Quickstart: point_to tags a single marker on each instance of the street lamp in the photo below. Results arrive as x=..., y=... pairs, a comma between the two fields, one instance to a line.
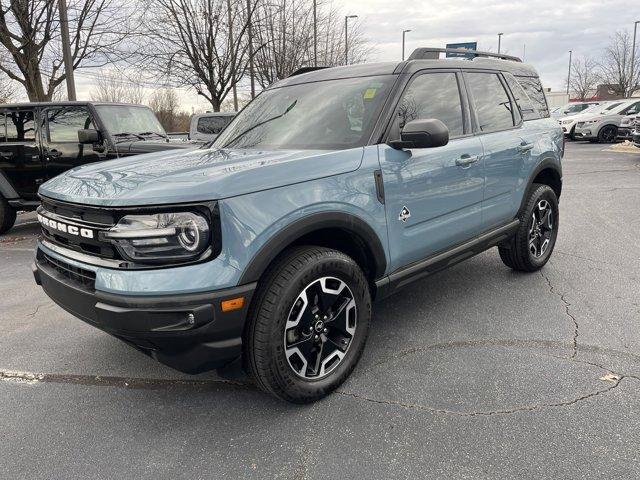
x=404, y=32
x=346, y=33
x=569, y=75
x=633, y=56
x=499, y=41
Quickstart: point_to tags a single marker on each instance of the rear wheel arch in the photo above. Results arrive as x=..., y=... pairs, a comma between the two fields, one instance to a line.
x=340, y=231
x=548, y=172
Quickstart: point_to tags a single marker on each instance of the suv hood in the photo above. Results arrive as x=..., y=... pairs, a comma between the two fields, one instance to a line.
x=179, y=176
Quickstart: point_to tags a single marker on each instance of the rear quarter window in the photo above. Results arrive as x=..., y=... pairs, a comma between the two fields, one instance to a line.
x=533, y=89
x=525, y=104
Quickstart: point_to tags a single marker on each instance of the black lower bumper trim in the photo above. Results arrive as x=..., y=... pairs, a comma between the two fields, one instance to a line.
x=188, y=332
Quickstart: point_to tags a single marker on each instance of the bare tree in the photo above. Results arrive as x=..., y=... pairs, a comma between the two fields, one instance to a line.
x=8, y=89
x=616, y=65
x=584, y=77
x=30, y=37
x=188, y=43
x=109, y=88
x=164, y=102
x=284, y=29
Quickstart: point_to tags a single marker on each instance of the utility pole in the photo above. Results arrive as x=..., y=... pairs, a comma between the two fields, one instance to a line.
x=315, y=33
x=633, y=57
x=346, y=42
x=233, y=57
x=251, y=65
x=524, y=51
x=66, y=51
x=499, y=41
x=404, y=32
x=569, y=76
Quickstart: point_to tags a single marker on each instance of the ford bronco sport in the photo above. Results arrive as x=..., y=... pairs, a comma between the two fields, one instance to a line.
x=41, y=140
x=330, y=189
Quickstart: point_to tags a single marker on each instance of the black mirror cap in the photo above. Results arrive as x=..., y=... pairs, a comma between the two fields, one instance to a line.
x=428, y=133
x=88, y=136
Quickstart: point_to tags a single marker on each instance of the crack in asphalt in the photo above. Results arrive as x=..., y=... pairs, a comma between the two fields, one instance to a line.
x=569, y=314
x=528, y=408
x=35, y=312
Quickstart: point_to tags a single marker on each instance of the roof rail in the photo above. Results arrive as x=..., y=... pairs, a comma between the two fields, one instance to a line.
x=434, y=54
x=302, y=70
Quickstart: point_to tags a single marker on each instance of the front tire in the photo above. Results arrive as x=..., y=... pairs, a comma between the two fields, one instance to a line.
x=308, y=324
x=608, y=134
x=7, y=215
x=532, y=245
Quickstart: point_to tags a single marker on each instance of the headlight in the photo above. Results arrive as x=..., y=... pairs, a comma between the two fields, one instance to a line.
x=567, y=122
x=591, y=122
x=161, y=237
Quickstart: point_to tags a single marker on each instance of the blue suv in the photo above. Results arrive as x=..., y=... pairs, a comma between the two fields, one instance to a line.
x=332, y=188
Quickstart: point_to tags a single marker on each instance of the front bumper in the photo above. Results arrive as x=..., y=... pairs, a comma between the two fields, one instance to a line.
x=188, y=332
x=624, y=133
x=635, y=136
x=585, y=133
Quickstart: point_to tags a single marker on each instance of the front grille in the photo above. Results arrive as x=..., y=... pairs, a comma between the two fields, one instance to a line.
x=80, y=277
x=90, y=218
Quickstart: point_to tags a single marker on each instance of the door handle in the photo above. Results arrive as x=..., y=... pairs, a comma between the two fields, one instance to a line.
x=466, y=160
x=525, y=147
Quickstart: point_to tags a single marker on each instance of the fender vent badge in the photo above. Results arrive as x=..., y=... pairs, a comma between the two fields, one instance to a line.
x=404, y=214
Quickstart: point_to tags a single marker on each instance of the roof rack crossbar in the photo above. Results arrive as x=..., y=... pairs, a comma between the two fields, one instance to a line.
x=302, y=70
x=427, y=54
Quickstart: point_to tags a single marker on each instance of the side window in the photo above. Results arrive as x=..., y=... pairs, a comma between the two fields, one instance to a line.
x=631, y=109
x=433, y=95
x=493, y=107
x=20, y=126
x=63, y=123
x=534, y=90
x=522, y=99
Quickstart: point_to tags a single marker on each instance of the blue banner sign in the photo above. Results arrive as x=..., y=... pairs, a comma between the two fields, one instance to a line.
x=465, y=46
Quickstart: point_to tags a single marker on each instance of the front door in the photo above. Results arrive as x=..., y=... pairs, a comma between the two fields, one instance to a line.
x=432, y=195
x=60, y=132
x=20, y=159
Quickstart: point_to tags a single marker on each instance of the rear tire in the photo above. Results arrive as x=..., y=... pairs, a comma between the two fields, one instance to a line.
x=531, y=247
x=289, y=350
x=7, y=215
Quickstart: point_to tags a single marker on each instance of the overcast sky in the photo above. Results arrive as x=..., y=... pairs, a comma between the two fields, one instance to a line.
x=548, y=28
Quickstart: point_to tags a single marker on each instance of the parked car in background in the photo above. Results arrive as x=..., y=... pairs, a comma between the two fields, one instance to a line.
x=603, y=128
x=569, y=123
x=205, y=127
x=39, y=141
x=331, y=188
x=627, y=126
x=572, y=109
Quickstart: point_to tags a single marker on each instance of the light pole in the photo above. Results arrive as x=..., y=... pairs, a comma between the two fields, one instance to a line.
x=66, y=50
x=569, y=75
x=499, y=41
x=633, y=56
x=404, y=32
x=346, y=33
x=315, y=33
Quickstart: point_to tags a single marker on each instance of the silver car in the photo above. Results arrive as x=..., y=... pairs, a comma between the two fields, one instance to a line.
x=604, y=128
x=572, y=109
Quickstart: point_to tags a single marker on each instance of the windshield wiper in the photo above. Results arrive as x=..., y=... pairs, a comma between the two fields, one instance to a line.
x=154, y=133
x=242, y=134
x=128, y=134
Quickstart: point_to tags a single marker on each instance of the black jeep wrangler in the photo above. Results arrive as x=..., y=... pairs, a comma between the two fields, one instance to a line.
x=38, y=141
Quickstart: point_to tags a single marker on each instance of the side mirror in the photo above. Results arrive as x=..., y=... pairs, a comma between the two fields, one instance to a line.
x=427, y=133
x=88, y=136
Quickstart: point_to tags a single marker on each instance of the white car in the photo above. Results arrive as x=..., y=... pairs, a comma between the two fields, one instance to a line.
x=572, y=109
x=205, y=127
x=603, y=128
x=568, y=124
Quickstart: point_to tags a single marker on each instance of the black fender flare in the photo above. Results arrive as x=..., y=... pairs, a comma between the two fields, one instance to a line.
x=308, y=224
x=545, y=164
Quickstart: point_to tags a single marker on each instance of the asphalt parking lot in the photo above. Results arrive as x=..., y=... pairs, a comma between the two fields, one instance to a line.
x=476, y=372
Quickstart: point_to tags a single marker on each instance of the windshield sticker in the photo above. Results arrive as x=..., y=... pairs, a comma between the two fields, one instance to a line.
x=370, y=93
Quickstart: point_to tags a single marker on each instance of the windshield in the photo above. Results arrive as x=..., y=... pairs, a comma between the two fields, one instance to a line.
x=213, y=125
x=129, y=119
x=333, y=114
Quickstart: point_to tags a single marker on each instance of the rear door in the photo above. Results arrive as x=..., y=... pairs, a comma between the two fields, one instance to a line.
x=20, y=159
x=498, y=122
x=432, y=195
x=60, y=137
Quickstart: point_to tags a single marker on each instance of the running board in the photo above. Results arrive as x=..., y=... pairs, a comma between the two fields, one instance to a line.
x=395, y=281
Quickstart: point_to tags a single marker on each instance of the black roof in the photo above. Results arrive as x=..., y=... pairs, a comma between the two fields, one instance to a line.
x=79, y=103
x=514, y=67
